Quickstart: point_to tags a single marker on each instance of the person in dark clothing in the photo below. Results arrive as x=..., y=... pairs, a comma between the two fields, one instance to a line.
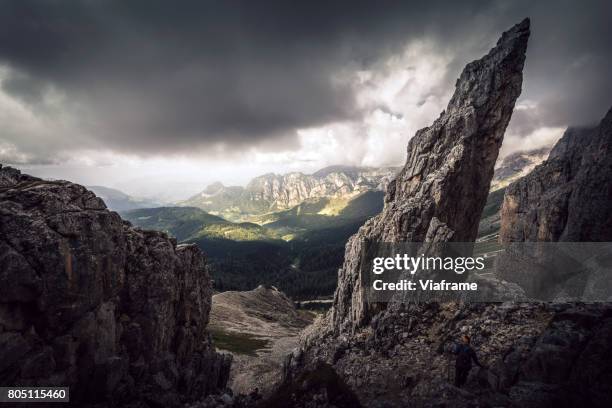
x=463, y=364
x=254, y=394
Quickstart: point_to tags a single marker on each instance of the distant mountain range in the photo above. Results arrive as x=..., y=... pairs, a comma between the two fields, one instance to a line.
x=331, y=188
x=273, y=192
x=188, y=223
x=117, y=200
x=516, y=165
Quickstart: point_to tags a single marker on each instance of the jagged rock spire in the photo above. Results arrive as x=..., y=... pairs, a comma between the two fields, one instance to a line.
x=441, y=191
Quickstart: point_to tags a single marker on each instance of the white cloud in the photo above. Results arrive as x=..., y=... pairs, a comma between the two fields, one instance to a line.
x=542, y=137
x=398, y=97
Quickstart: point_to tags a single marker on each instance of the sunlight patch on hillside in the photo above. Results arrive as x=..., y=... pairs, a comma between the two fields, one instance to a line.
x=334, y=206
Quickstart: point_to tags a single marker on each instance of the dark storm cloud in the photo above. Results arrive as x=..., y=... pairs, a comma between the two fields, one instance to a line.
x=569, y=63
x=163, y=77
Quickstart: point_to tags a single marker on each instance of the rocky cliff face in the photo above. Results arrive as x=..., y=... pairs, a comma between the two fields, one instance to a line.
x=273, y=192
x=286, y=191
x=534, y=354
x=440, y=193
x=569, y=197
x=90, y=302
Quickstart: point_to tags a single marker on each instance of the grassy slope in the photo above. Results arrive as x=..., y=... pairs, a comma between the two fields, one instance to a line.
x=325, y=213
x=244, y=255
x=488, y=229
x=181, y=222
x=187, y=223
x=239, y=343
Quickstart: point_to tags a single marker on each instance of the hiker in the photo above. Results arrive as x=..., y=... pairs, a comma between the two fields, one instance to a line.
x=255, y=394
x=463, y=364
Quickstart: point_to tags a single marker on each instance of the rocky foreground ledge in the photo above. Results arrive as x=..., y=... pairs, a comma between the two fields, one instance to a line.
x=88, y=301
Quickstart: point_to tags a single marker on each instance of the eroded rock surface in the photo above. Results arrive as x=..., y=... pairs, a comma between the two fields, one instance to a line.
x=534, y=355
x=439, y=194
x=88, y=301
x=274, y=192
x=568, y=197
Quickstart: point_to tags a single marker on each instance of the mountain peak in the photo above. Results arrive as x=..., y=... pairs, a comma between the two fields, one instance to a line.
x=117, y=200
x=214, y=188
x=339, y=168
x=271, y=192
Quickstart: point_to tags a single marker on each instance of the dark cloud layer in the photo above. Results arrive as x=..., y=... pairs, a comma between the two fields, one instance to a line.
x=152, y=77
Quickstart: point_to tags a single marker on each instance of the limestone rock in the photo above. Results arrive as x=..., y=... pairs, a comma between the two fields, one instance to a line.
x=517, y=165
x=568, y=197
x=90, y=302
x=535, y=354
x=439, y=194
x=273, y=192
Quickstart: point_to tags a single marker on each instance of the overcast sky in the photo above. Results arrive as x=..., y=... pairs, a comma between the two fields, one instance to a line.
x=166, y=97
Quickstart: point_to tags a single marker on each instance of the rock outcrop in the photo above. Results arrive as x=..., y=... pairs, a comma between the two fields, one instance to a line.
x=534, y=354
x=568, y=197
x=88, y=301
x=439, y=194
